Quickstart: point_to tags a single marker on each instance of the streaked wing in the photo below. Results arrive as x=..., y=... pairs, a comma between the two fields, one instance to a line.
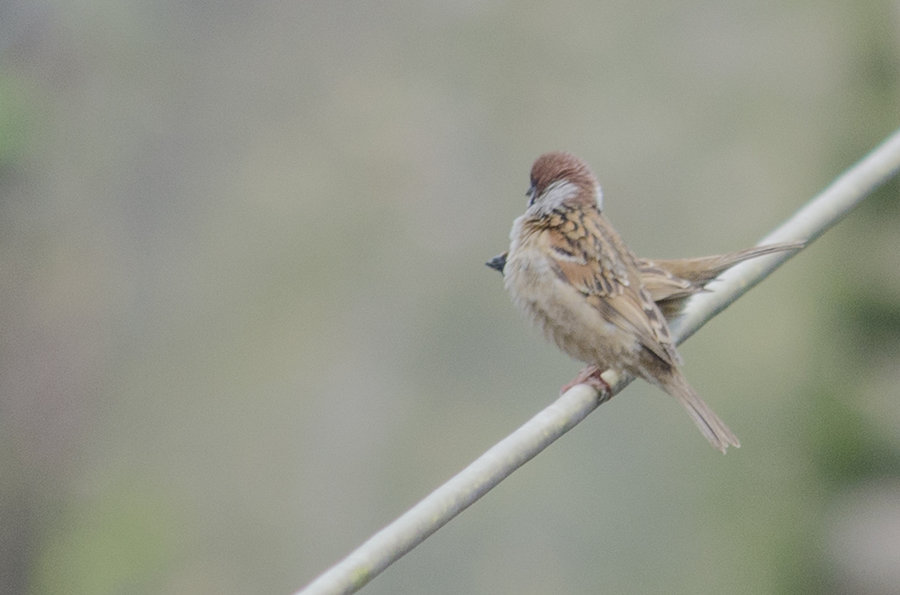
x=593, y=259
x=663, y=285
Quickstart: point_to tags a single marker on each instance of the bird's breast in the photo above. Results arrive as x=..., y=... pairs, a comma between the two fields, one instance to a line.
x=558, y=309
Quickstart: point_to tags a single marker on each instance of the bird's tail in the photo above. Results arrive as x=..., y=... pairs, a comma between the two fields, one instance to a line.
x=713, y=428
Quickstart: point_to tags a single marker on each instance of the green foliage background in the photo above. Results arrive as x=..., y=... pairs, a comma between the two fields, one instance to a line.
x=244, y=320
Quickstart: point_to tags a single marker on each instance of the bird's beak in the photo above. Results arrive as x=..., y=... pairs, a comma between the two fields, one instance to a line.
x=498, y=262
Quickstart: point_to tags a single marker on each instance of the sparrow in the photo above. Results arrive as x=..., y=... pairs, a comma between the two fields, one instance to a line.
x=570, y=272
x=670, y=282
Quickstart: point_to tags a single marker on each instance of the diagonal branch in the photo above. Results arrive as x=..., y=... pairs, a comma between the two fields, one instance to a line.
x=812, y=220
x=470, y=484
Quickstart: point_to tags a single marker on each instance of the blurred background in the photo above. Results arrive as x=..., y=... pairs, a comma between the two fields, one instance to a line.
x=246, y=321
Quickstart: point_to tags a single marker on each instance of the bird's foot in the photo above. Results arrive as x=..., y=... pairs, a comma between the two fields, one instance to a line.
x=591, y=375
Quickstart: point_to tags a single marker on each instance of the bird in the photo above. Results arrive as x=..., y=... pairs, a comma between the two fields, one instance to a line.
x=570, y=272
x=671, y=282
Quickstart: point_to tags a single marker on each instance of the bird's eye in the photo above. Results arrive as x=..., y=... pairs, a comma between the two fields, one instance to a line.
x=531, y=194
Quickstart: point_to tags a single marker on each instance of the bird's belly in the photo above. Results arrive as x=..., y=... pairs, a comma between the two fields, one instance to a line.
x=563, y=314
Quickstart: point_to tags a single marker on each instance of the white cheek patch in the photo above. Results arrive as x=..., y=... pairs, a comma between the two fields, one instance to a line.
x=555, y=194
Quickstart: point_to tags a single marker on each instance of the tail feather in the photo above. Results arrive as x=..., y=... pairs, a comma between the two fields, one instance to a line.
x=709, y=424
